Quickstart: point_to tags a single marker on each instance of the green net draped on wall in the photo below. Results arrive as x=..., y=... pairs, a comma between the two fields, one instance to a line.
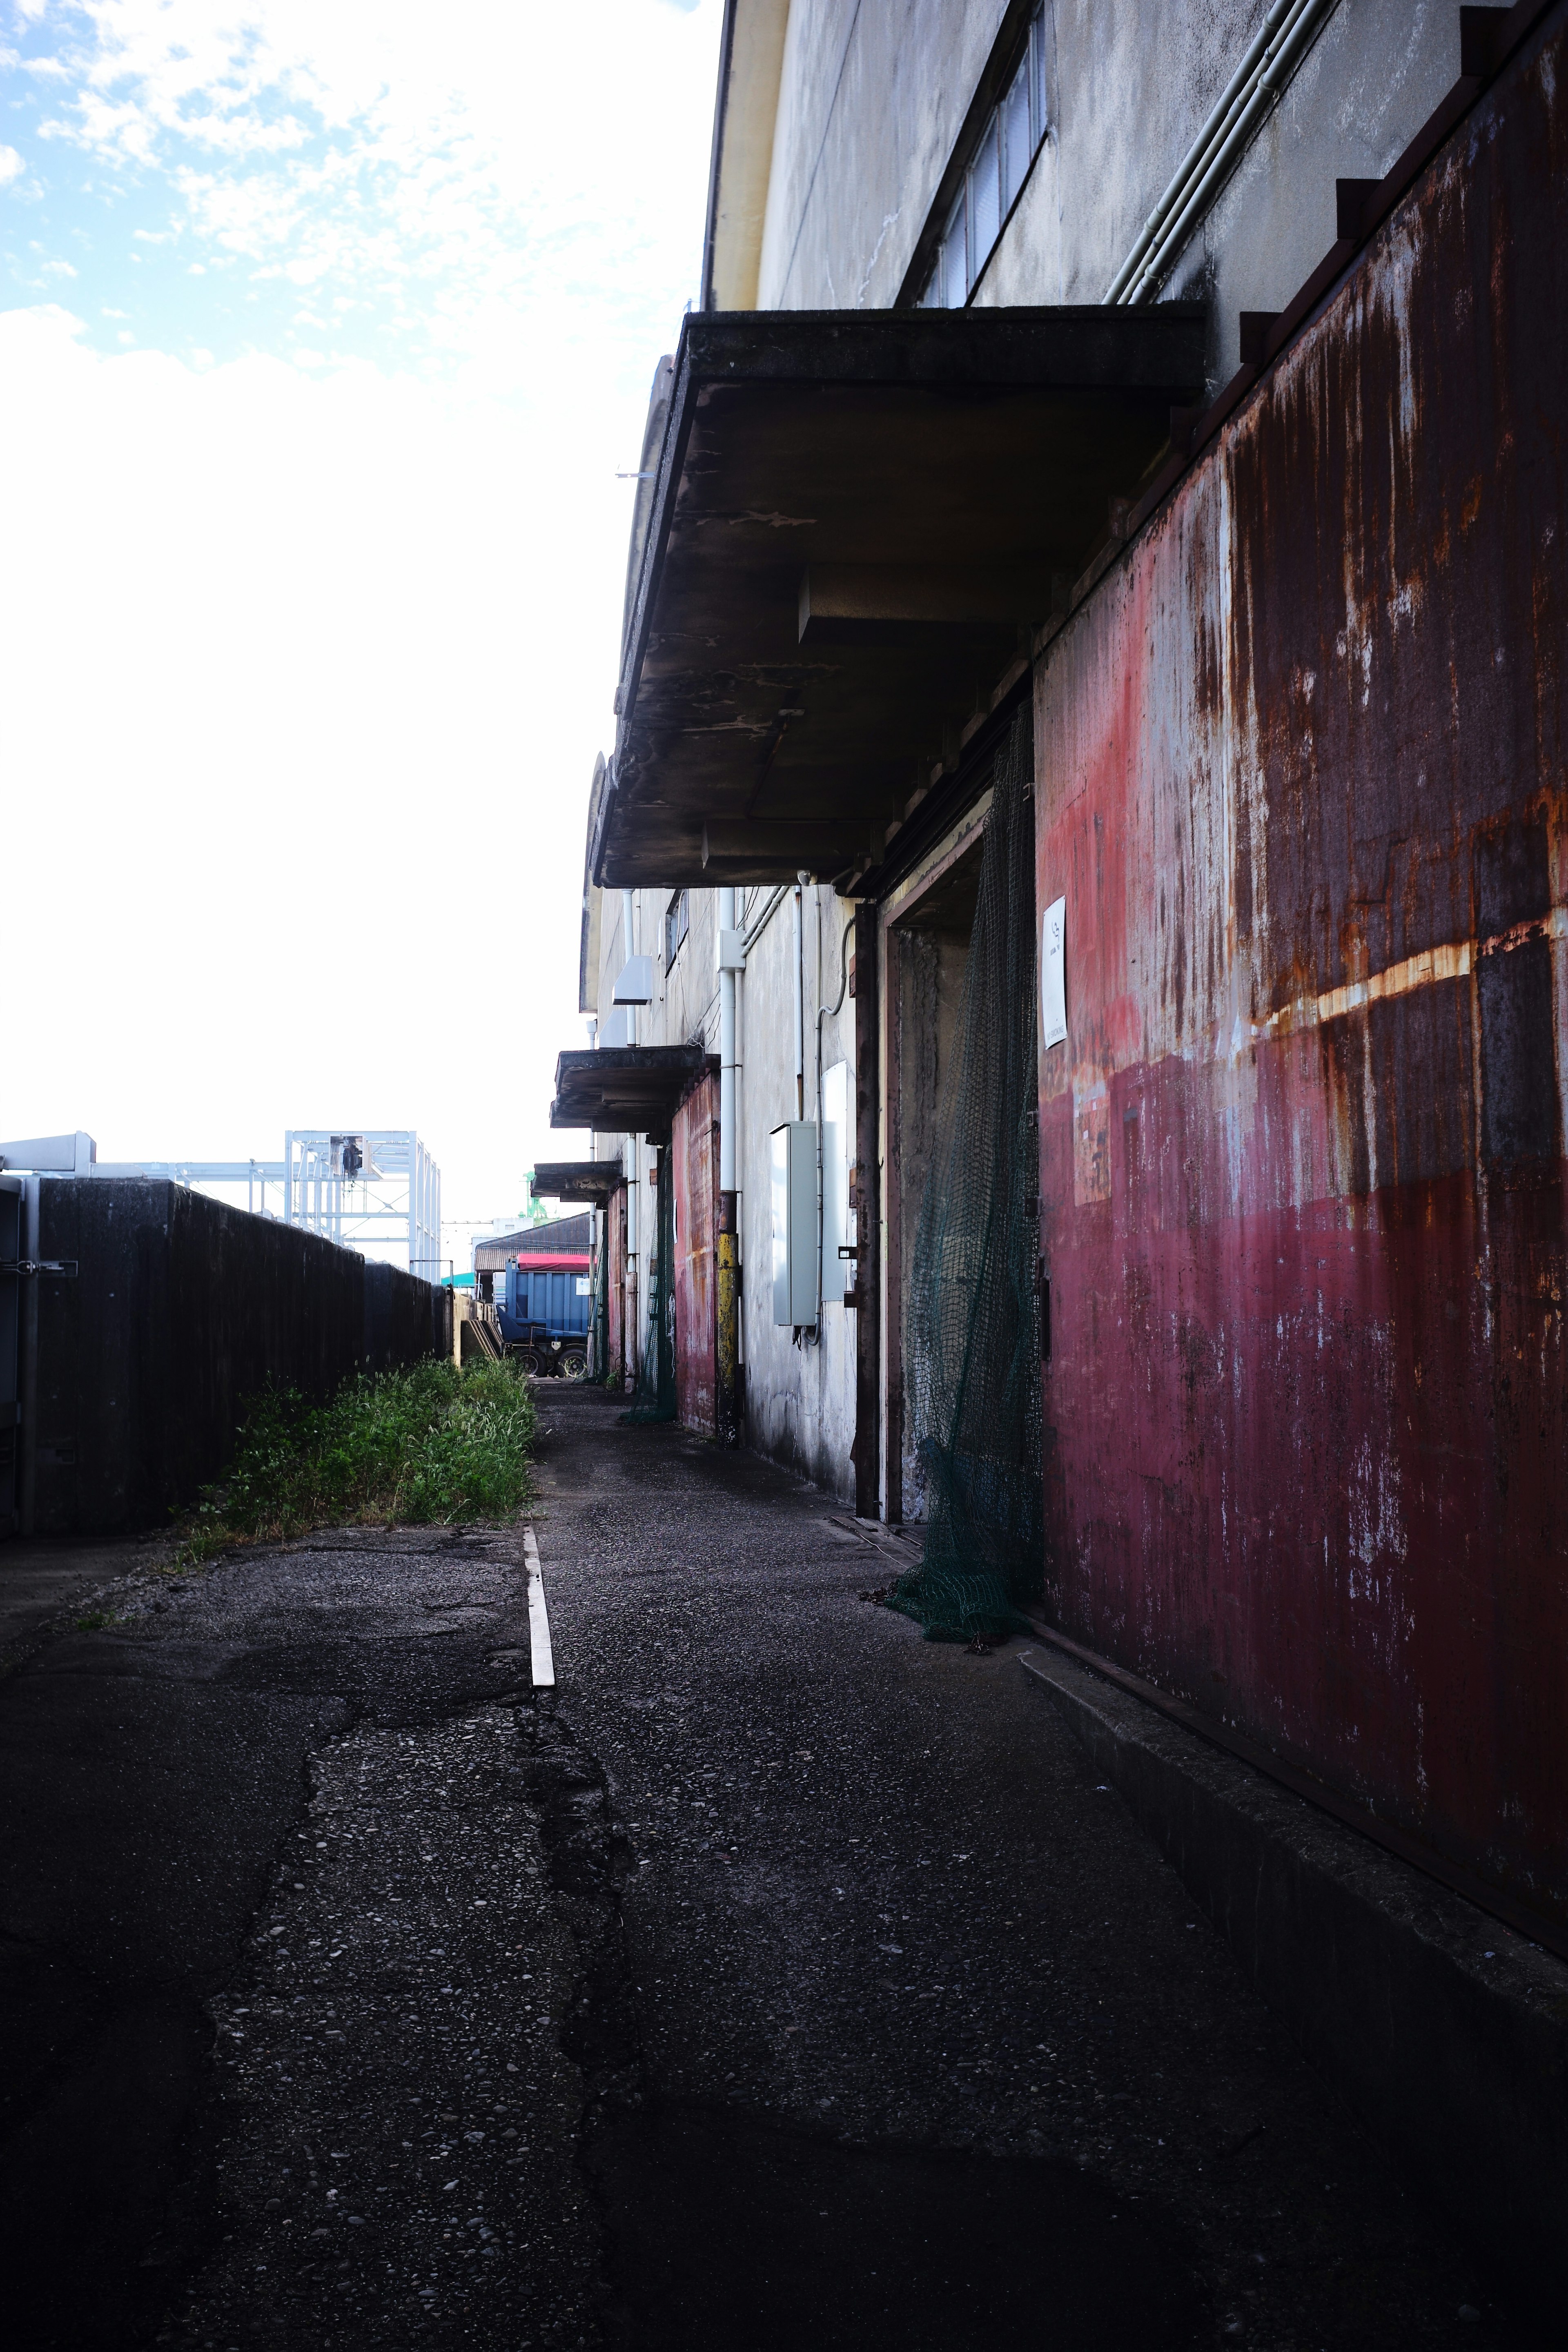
x=653, y=1397
x=972, y=1349
x=598, y=1364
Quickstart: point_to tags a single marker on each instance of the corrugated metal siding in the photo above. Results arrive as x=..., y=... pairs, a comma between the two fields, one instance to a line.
x=694, y=1160
x=1303, y=783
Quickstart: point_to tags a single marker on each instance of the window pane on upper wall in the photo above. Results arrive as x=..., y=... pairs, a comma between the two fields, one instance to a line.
x=985, y=199
x=1036, y=60
x=1017, y=139
x=955, y=264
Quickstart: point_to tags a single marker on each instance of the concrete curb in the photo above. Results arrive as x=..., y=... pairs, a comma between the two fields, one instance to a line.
x=1444, y=2030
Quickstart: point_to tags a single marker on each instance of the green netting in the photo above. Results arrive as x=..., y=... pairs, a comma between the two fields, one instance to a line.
x=654, y=1396
x=972, y=1348
x=597, y=1367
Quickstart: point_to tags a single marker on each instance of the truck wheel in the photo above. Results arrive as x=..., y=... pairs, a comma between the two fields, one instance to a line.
x=573, y=1363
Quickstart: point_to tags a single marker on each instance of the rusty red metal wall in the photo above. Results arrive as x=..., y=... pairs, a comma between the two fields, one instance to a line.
x=615, y=1247
x=1303, y=786
x=694, y=1159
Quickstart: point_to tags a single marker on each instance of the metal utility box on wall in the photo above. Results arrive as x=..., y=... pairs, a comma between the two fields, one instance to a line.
x=793, y=1196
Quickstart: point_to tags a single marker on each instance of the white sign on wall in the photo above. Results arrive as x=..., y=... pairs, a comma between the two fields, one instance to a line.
x=1053, y=975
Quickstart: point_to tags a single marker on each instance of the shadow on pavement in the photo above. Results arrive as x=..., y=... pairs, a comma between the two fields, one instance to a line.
x=726, y=2230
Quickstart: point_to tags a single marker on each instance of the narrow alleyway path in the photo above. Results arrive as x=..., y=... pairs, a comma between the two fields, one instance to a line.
x=935, y=2048
x=781, y=1980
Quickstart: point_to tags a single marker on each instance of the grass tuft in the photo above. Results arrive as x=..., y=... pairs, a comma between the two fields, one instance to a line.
x=429, y=1444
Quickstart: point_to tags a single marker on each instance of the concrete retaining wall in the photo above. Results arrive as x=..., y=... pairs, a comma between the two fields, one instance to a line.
x=180, y=1310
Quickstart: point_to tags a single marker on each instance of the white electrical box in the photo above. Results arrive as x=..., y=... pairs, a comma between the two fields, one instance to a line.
x=635, y=985
x=793, y=1196
x=838, y=1235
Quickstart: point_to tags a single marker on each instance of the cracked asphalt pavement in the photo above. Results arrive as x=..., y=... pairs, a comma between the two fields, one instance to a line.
x=780, y=1978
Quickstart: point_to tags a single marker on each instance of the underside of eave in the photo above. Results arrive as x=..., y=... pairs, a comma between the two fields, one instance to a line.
x=774, y=716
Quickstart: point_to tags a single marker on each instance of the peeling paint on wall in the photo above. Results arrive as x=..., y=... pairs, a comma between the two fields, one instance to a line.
x=1304, y=785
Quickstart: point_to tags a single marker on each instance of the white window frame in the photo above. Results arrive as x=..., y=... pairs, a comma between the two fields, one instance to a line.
x=679, y=910
x=940, y=292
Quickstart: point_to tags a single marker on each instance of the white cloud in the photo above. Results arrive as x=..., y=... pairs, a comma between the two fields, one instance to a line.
x=304, y=660
x=11, y=165
x=390, y=147
x=297, y=707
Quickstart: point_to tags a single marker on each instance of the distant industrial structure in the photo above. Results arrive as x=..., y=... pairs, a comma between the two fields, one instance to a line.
x=139, y=1315
x=374, y=1188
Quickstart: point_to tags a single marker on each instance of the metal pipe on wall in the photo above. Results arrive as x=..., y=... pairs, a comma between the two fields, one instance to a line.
x=727, y=1179
x=865, y=1201
x=1267, y=65
x=726, y=1319
x=628, y=925
x=631, y=1335
x=825, y=1012
x=800, y=883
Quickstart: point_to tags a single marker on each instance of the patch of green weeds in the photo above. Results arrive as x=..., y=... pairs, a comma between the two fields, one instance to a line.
x=95, y=1620
x=429, y=1444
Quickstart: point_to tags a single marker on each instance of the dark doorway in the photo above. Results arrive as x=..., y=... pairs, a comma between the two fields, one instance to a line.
x=926, y=936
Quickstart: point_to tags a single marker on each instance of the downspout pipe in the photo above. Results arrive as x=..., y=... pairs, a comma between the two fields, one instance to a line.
x=727, y=1323
x=800, y=882
x=728, y=1181
x=827, y=1012
x=631, y=1337
x=628, y=948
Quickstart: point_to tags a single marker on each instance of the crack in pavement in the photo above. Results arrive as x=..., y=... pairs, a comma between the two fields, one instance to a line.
x=394, y=2090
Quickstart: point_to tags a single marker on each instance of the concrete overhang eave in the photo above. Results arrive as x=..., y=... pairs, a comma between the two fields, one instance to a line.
x=587, y=1180
x=626, y=1089
x=858, y=519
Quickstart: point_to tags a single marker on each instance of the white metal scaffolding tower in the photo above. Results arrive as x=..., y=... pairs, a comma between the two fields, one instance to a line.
x=371, y=1189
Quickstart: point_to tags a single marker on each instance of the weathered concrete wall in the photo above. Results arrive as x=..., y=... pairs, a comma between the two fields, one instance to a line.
x=685, y=1011
x=688, y=988
x=872, y=100
x=799, y=1401
x=1130, y=88
x=694, y=1160
x=1304, y=784
x=181, y=1309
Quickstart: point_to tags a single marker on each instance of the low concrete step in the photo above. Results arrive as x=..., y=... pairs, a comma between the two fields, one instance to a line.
x=1444, y=2030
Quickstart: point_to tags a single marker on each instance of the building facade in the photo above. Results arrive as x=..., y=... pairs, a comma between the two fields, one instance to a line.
x=1188, y=381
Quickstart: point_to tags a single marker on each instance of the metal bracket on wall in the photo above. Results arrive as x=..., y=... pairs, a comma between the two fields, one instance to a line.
x=64, y=1265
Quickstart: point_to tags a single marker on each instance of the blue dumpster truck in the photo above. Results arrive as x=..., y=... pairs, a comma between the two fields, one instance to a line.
x=545, y=1311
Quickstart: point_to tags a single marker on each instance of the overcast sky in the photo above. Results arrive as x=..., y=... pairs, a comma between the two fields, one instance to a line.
x=325, y=326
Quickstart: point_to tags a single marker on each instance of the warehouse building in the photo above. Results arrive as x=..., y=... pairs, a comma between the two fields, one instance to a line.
x=1075, y=913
